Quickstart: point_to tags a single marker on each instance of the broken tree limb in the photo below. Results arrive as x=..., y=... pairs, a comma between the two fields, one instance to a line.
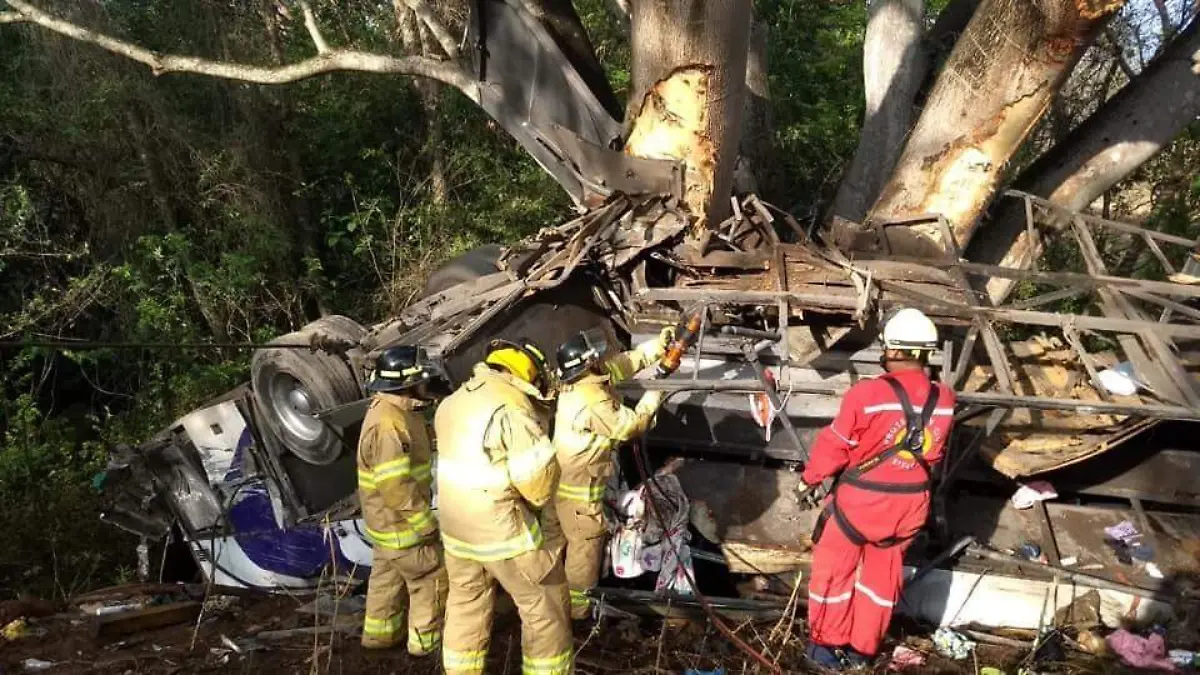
x=333, y=60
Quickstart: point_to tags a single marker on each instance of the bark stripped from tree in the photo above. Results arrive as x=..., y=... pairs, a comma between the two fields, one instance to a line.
x=689, y=84
x=998, y=82
x=1133, y=126
x=894, y=64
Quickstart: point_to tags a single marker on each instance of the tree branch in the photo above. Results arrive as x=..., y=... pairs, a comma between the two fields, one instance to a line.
x=447, y=72
x=427, y=16
x=12, y=17
x=314, y=31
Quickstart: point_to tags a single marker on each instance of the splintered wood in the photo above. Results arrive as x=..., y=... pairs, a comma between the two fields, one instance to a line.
x=673, y=124
x=1034, y=441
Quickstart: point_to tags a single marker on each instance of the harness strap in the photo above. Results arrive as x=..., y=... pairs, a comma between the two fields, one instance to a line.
x=914, y=443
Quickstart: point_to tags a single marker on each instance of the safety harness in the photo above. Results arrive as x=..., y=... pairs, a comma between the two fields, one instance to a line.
x=913, y=442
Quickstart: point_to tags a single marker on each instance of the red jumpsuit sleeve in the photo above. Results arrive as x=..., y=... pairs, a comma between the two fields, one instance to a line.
x=831, y=451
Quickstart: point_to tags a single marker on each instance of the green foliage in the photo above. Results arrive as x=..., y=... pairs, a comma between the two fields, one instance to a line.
x=53, y=546
x=815, y=76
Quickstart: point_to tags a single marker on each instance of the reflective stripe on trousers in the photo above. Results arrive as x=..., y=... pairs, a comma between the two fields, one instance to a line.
x=423, y=641
x=580, y=598
x=559, y=664
x=471, y=661
x=530, y=540
x=383, y=628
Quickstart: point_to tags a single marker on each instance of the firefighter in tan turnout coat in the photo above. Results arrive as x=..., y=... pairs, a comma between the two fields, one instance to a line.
x=496, y=471
x=394, y=489
x=589, y=424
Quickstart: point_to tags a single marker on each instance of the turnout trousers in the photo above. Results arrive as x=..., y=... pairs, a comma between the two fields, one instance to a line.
x=852, y=591
x=412, y=577
x=538, y=587
x=583, y=526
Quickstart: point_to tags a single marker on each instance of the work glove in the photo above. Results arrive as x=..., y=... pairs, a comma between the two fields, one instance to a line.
x=654, y=349
x=809, y=496
x=650, y=402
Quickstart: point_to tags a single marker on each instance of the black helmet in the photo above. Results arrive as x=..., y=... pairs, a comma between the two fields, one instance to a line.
x=401, y=367
x=577, y=355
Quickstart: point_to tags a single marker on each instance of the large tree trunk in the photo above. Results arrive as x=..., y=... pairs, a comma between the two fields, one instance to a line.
x=894, y=63
x=758, y=142
x=689, y=84
x=1010, y=61
x=1126, y=131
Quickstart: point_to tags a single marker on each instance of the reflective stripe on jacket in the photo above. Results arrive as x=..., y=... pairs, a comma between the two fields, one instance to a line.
x=394, y=487
x=496, y=467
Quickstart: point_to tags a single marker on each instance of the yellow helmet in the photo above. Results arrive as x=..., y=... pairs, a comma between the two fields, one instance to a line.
x=522, y=358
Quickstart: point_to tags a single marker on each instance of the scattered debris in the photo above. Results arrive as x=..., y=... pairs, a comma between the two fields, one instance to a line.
x=952, y=645
x=693, y=671
x=1141, y=652
x=1153, y=570
x=1031, y=551
x=102, y=609
x=1031, y=493
x=1092, y=643
x=644, y=544
x=997, y=640
x=128, y=623
x=1184, y=658
x=1120, y=380
x=1124, y=531
x=345, y=625
x=329, y=605
x=36, y=665
x=990, y=670
x=15, y=630
x=905, y=657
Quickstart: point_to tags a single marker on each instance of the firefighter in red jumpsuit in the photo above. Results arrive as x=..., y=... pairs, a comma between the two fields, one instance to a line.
x=880, y=449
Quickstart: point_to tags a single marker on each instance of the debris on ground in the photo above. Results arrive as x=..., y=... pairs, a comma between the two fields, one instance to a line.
x=952, y=645
x=36, y=665
x=1031, y=493
x=905, y=657
x=1141, y=652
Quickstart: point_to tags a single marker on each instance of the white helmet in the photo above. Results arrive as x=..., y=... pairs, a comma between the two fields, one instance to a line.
x=909, y=329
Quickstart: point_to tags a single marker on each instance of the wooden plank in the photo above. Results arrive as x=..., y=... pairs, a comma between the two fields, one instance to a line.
x=1007, y=401
x=1047, y=298
x=1073, y=337
x=1158, y=253
x=1112, y=224
x=1169, y=382
x=1035, y=243
x=939, y=307
x=1061, y=278
x=1164, y=302
x=1049, y=544
x=128, y=623
x=964, y=359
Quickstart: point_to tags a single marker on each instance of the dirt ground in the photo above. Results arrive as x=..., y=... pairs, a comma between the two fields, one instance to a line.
x=645, y=645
